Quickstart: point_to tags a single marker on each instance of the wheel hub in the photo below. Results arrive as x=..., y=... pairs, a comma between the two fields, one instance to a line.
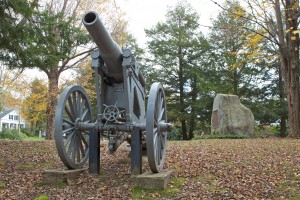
x=77, y=121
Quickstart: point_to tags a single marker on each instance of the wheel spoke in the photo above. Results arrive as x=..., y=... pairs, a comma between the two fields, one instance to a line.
x=82, y=106
x=68, y=122
x=162, y=111
x=74, y=106
x=78, y=104
x=69, y=138
x=84, y=114
x=67, y=130
x=81, y=148
x=75, y=148
x=69, y=114
x=155, y=123
x=78, y=150
x=84, y=140
x=161, y=101
x=71, y=106
x=70, y=147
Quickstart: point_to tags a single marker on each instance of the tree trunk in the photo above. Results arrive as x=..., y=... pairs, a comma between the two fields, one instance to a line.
x=282, y=127
x=289, y=59
x=31, y=126
x=282, y=113
x=193, y=110
x=290, y=74
x=235, y=82
x=181, y=97
x=53, y=76
x=292, y=90
x=291, y=70
x=183, y=130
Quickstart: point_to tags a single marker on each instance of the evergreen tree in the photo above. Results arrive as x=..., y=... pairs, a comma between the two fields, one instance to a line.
x=174, y=46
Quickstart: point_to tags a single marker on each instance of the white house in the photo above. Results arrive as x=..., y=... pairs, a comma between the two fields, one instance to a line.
x=11, y=119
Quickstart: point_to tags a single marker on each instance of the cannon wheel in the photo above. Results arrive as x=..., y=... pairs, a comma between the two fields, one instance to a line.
x=156, y=139
x=72, y=143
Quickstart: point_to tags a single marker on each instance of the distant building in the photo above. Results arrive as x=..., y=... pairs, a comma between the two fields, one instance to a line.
x=10, y=119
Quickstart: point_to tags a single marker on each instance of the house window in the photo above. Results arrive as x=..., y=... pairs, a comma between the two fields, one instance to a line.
x=5, y=125
x=13, y=126
x=11, y=117
x=16, y=117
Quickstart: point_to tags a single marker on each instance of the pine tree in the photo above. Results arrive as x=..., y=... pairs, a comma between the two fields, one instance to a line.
x=173, y=46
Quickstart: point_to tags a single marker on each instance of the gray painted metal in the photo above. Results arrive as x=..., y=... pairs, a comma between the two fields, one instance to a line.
x=71, y=142
x=156, y=137
x=136, y=151
x=121, y=113
x=109, y=50
x=94, y=152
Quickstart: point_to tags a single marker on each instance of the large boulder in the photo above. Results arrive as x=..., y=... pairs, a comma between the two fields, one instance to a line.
x=229, y=116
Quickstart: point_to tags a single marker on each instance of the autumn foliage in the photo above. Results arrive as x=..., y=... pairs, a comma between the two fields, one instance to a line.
x=208, y=169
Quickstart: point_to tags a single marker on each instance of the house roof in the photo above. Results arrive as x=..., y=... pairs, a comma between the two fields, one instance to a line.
x=2, y=114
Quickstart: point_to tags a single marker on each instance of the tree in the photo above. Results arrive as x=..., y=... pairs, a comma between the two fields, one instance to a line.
x=52, y=40
x=13, y=87
x=174, y=45
x=14, y=15
x=34, y=106
x=246, y=64
x=279, y=21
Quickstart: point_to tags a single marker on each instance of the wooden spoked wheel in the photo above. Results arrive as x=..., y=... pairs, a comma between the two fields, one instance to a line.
x=155, y=137
x=71, y=142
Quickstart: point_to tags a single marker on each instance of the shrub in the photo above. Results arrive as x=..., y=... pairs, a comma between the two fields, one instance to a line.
x=265, y=131
x=28, y=132
x=12, y=135
x=174, y=134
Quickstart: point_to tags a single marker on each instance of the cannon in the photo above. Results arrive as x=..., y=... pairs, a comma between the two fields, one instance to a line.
x=121, y=114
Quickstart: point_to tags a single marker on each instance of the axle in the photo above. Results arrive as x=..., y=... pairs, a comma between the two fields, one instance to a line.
x=120, y=127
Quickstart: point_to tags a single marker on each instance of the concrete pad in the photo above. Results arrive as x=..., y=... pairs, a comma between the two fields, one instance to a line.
x=57, y=176
x=152, y=180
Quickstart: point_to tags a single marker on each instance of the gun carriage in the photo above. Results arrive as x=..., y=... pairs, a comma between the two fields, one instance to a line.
x=121, y=114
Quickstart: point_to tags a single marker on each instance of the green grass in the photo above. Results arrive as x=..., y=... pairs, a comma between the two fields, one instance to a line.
x=295, y=198
x=2, y=184
x=171, y=191
x=42, y=197
x=62, y=185
x=29, y=166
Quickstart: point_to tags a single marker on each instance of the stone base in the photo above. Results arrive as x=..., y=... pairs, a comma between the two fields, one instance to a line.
x=57, y=176
x=152, y=180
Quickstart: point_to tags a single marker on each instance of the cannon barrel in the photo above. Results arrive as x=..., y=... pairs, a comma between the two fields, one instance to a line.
x=109, y=50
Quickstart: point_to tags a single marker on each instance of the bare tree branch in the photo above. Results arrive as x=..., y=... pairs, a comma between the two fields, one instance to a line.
x=271, y=36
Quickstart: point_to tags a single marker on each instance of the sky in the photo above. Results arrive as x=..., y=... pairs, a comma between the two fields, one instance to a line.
x=144, y=14
x=147, y=13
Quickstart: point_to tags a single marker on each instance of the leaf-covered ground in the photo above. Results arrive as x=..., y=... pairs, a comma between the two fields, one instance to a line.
x=207, y=169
